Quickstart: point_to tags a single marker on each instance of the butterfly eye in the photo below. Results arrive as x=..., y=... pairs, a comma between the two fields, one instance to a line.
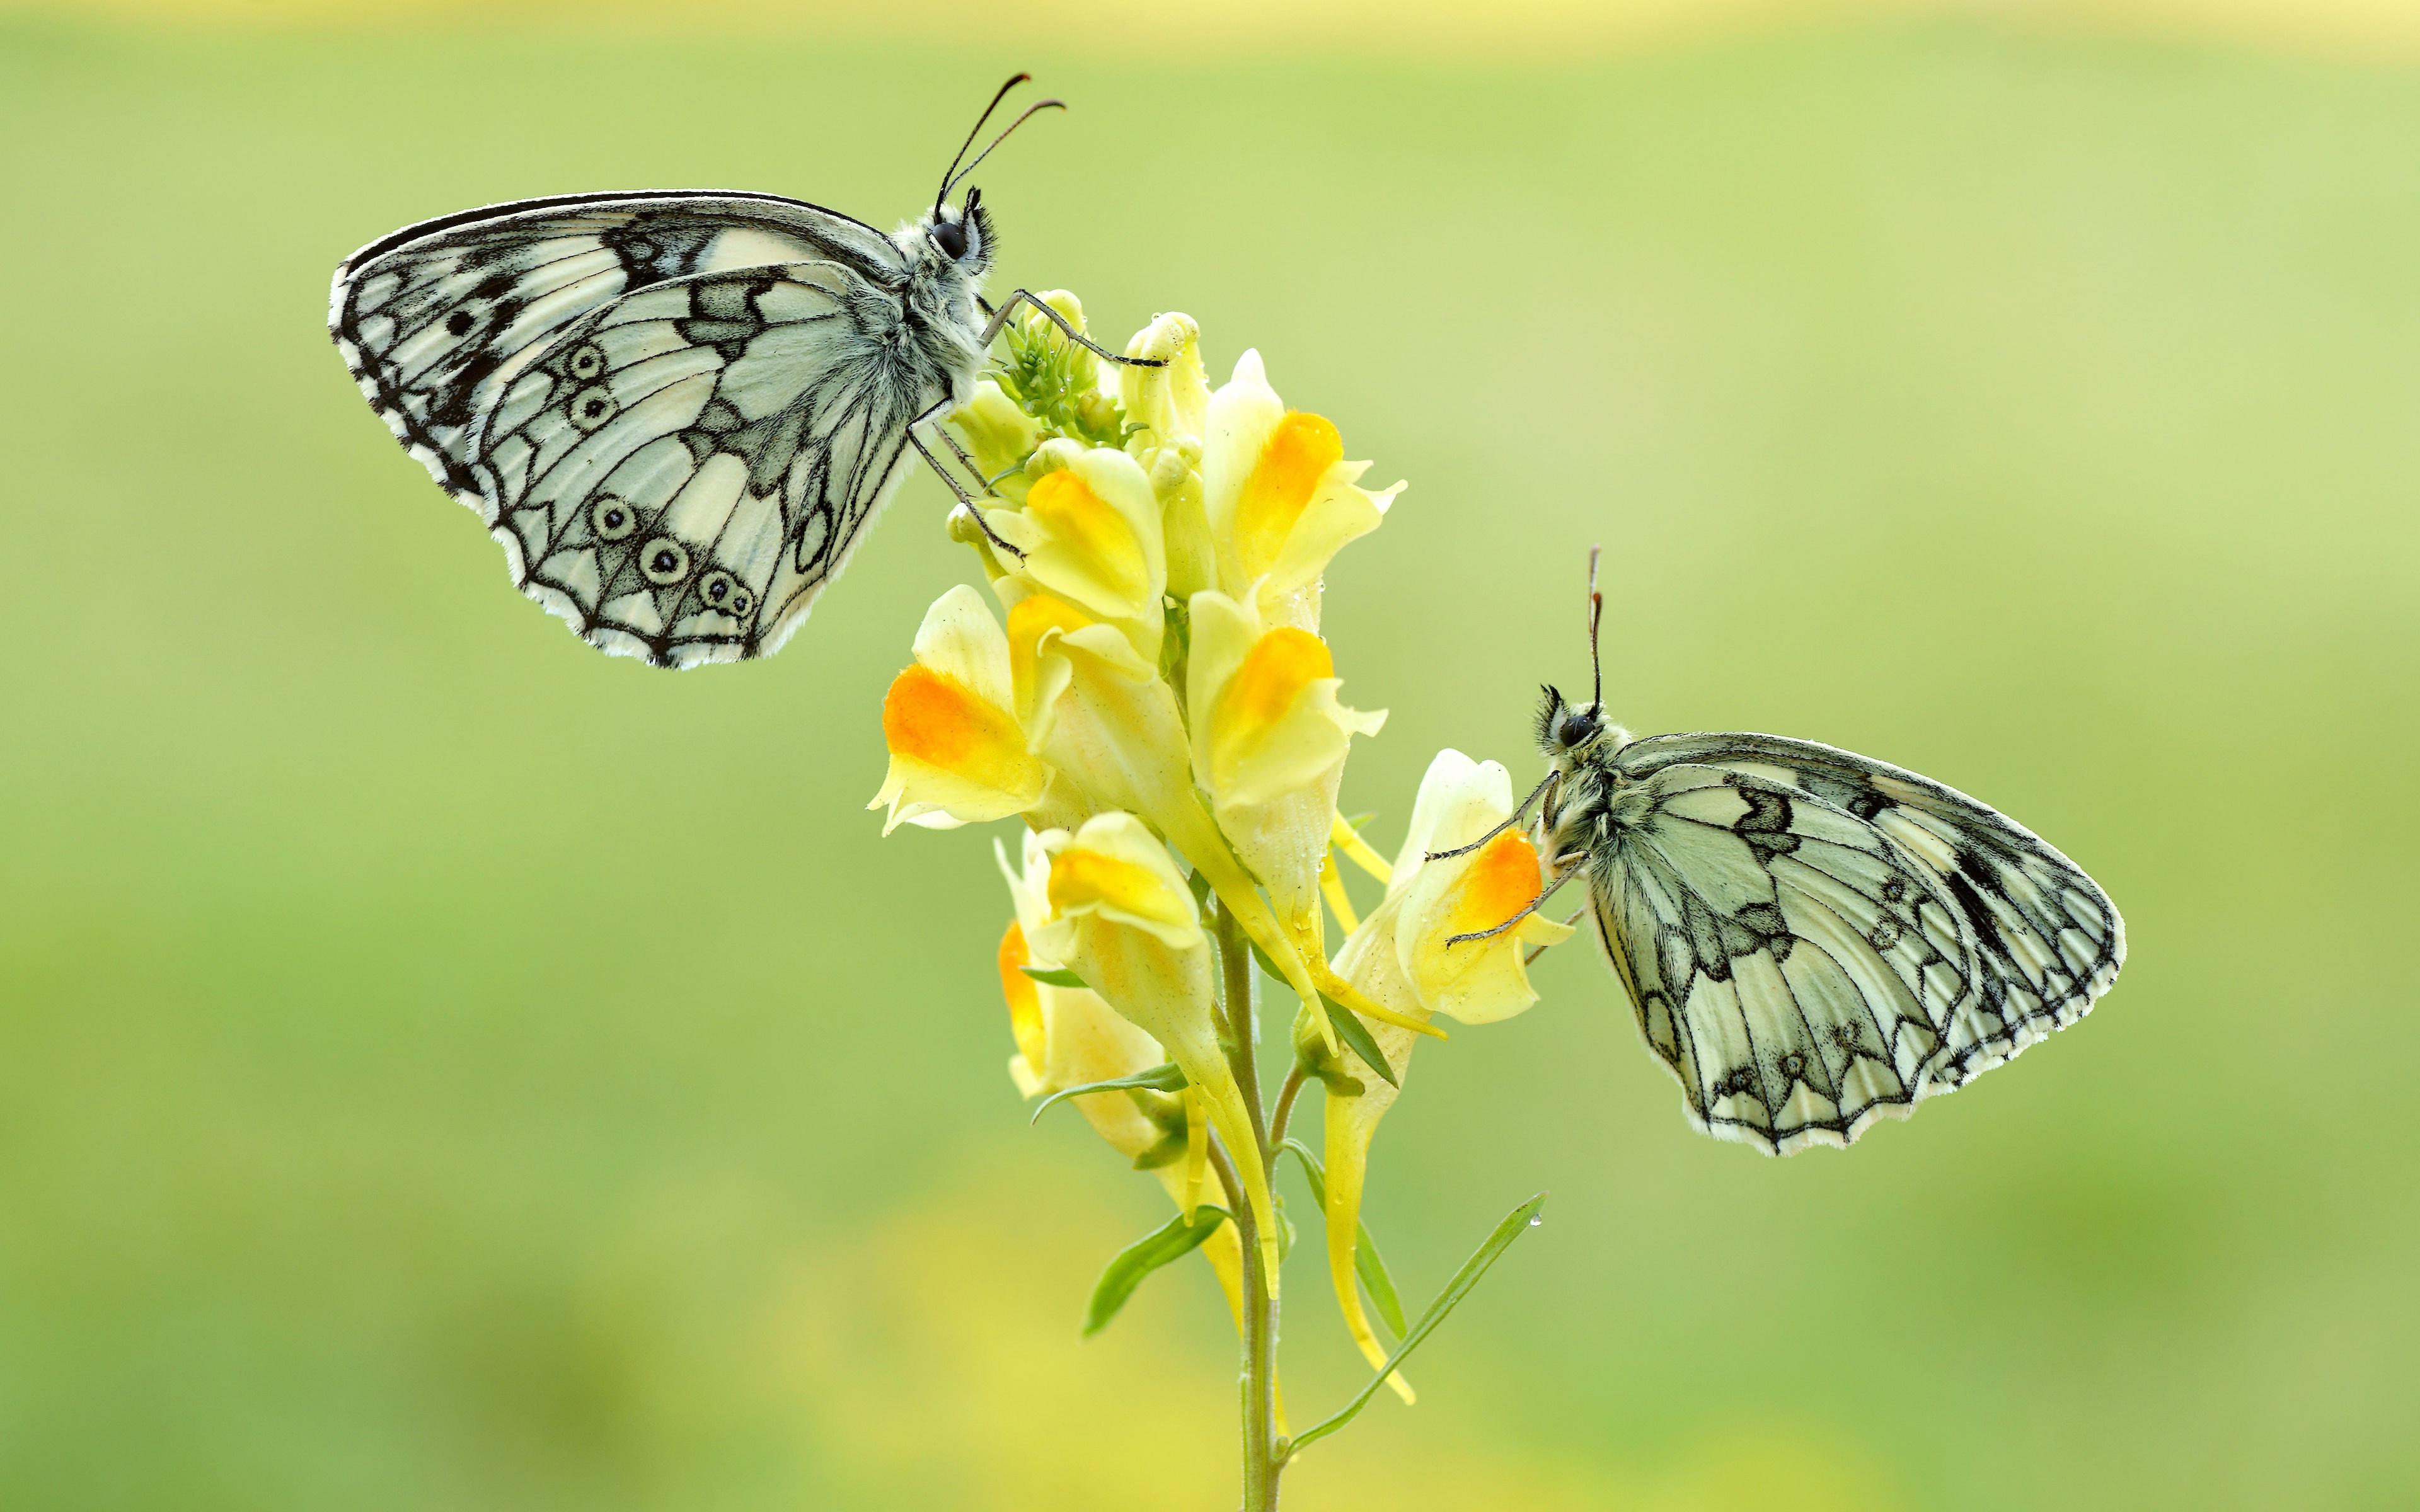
x=950, y=237
x=664, y=561
x=587, y=362
x=615, y=520
x=1576, y=727
x=592, y=407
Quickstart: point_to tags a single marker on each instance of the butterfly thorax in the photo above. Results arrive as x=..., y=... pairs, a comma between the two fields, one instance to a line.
x=947, y=257
x=1579, y=745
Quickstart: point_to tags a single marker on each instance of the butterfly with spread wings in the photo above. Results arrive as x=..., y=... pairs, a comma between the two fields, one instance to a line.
x=677, y=410
x=1812, y=939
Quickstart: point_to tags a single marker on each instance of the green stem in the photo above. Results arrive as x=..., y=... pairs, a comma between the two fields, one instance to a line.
x=1261, y=1457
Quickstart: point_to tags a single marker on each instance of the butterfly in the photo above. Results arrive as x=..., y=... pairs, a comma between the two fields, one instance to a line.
x=678, y=411
x=1812, y=939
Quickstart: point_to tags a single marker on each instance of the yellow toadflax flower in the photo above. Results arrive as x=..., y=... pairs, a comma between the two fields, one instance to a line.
x=1278, y=496
x=1269, y=741
x=1089, y=533
x=1399, y=957
x=1123, y=919
x=959, y=754
x=1069, y=1037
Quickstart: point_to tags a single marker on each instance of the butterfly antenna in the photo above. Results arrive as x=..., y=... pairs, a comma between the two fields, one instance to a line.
x=1022, y=78
x=1596, y=617
x=1039, y=105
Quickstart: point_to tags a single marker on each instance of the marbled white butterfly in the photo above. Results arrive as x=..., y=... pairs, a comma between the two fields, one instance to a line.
x=677, y=410
x=1811, y=939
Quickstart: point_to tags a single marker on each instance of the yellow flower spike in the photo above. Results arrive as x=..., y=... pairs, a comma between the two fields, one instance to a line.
x=1091, y=533
x=959, y=754
x=1123, y=919
x=1280, y=498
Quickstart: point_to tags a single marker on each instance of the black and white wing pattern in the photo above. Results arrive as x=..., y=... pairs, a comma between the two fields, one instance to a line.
x=659, y=404
x=1813, y=939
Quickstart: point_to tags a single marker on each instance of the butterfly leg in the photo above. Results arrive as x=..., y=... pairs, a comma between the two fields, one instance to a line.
x=965, y=502
x=1526, y=910
x=966, y=505
x=1000, y=318
x=956, y=450
x=1518, y=815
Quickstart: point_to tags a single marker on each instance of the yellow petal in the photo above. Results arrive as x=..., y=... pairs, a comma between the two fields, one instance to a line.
x=996, y=432
x=1294, y=461
x=1091, y=533
x=1115, y=868
x=1172, y=400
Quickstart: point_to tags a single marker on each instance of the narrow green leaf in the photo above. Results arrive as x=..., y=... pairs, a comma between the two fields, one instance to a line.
x=1367, y=1264
x=1173, y=1241
x=1355, y=1036
x=1201, y=887
x=1062, y=977
x=1357, y=821
x=1513, y=1226
x=1168, y=1078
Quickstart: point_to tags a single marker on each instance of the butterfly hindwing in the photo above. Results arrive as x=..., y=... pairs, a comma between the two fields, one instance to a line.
x=1813, y=940
x=681, y=472
x=475, y=336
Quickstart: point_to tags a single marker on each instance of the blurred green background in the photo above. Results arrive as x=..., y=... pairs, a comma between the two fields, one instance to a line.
x=446, y=1069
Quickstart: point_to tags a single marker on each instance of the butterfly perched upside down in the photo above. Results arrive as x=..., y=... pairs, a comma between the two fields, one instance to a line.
x=677, y=410
x=1813, y=939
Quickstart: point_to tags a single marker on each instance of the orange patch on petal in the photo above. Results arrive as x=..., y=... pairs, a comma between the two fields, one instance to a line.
x=937, y=719
x=1024, y=996
x=1274, y=673
x=1293, y=460
x=1503, y=881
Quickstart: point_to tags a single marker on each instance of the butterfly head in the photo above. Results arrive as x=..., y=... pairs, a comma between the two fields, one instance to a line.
x=961, y=234
x=1569, y=734
x=964, y=235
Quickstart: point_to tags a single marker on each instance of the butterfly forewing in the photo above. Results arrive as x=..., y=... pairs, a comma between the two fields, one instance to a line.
x=1813, y=940
x=655, y=402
